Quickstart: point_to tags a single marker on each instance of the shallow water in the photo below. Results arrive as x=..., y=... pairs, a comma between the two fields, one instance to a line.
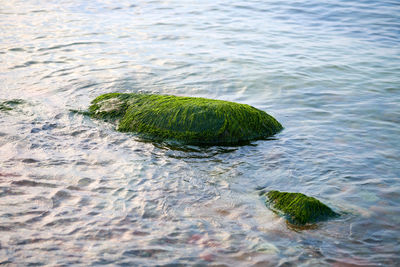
x=75, y=192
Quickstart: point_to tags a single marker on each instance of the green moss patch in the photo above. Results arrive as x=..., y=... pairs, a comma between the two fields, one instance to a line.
x=298, y=208
x=191, y=120
x=10, y=104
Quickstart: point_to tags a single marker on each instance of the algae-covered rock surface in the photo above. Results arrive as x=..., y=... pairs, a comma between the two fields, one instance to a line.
x=8, y=105
x=298, y=208
x=191, y=120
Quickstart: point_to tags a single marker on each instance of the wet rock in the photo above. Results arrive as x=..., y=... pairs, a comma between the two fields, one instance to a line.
x=190, y=120
x=298, y=208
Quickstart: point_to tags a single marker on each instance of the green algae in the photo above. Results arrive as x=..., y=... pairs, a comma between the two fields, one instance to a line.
x=10, y=104
x=298, y=208
x=191, y=120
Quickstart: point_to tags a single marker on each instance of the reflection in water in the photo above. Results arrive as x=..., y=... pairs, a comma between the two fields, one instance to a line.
x=73, y=191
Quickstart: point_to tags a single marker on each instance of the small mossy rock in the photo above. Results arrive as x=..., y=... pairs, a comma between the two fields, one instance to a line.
x=191, y=120
x=298, y=208
x=10, y=104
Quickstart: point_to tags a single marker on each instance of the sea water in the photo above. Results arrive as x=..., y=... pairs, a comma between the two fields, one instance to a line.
x=73, y=191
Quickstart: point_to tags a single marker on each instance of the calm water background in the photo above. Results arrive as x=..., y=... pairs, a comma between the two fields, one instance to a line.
x=74, y=191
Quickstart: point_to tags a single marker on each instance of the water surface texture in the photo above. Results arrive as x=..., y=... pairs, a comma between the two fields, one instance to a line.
x=73, y=191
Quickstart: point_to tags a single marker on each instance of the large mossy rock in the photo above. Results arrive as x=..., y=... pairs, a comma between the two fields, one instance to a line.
x=298, y=208
x=190, y=120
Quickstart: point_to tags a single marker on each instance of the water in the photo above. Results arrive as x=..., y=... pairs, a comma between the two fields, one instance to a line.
x=75, y=192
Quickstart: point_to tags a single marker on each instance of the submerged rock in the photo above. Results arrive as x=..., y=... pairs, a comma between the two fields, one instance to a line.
x=191, y=120
x=298, y=208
